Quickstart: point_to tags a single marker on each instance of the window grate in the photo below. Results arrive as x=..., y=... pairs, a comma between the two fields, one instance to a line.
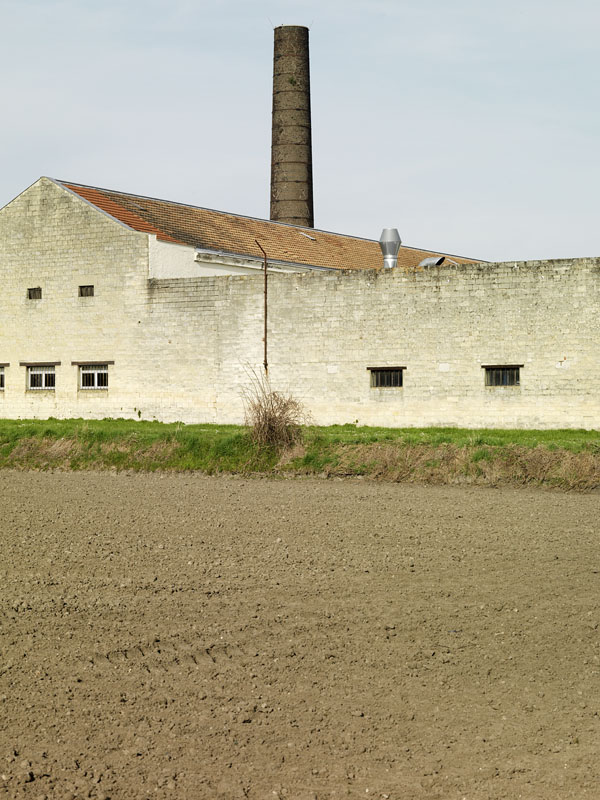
x=502, y=376
x=93, y=376
x=386, y=377
x=35, y=293
x=86, y=291
x=41, y=378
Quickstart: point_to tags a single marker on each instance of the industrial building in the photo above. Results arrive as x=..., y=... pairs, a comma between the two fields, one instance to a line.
x=118, y=305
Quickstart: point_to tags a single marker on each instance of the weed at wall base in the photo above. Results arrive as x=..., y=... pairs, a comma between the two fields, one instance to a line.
x=274, y=418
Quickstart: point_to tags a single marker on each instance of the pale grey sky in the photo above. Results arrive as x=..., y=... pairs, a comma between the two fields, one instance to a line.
x=471, y=126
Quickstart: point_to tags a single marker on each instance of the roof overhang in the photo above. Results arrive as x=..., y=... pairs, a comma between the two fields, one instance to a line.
x=223, y=258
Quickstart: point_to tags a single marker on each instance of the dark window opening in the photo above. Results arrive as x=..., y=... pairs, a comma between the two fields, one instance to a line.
x=86, y=291
x=35, y=293
x=1, y=379
x=87, y=380
x=93, y=376
x=386, y=377
x=502, y=376
x=41, y=378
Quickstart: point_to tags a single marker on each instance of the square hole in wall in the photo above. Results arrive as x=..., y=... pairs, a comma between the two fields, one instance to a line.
x=386, y=377
x=503, y=375
x=93, y=376
x=41, y=377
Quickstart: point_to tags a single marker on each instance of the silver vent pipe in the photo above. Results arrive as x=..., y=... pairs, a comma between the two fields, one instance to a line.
x=433, y=261
x=390, y=242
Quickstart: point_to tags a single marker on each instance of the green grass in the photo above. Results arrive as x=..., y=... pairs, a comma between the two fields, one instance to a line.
x=127, y=444
x=566, y=458
x=573, y=440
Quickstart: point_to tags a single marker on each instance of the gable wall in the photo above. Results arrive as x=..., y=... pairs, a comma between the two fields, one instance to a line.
x=51, y=239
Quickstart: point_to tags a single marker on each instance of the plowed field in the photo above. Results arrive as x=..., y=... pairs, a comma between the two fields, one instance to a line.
x=192, y=637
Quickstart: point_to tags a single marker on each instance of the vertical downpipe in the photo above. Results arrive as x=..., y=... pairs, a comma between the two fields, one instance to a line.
x=265, y=308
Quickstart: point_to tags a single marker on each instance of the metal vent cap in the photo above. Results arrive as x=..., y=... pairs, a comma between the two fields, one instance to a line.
x=390, y=242
x=432, y=261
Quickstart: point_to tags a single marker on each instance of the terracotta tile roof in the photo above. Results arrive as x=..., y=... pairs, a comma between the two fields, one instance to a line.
x=206, y=229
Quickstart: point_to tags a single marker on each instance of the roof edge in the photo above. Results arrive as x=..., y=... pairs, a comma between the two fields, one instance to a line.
x=224, y=254
x=65, y=188
x=37, y=180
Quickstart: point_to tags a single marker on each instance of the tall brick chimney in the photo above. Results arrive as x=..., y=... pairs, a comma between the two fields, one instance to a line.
x=291, y=145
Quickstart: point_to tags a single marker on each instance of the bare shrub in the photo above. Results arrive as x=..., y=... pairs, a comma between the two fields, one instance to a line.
x=275, y=418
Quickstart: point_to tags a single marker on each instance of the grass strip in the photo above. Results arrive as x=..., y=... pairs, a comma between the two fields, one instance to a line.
x=566, y=459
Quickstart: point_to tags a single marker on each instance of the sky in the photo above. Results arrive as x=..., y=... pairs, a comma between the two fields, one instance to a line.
x=472, y=126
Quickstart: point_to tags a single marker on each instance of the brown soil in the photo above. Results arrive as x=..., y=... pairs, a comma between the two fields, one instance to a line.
x=193, y=637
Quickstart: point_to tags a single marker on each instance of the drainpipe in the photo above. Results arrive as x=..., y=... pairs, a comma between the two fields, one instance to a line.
x=265, y=362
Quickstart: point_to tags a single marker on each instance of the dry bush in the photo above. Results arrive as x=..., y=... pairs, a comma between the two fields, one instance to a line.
x=275, y=418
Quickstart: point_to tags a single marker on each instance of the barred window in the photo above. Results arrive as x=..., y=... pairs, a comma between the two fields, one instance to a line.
x=93, y=376
x=386, y=377
x=86, y=291
x=503, y=375
x=34, y=293
x=41, y=377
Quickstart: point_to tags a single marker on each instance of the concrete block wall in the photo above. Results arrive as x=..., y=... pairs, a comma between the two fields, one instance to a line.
x=52, y=239
x=443, y=325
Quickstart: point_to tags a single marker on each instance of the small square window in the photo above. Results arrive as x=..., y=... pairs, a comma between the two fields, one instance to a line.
x=35, y=293
x=503, y=375
x=86, y=291
x=93, y=376
x=386, y=377
x=41, y=378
